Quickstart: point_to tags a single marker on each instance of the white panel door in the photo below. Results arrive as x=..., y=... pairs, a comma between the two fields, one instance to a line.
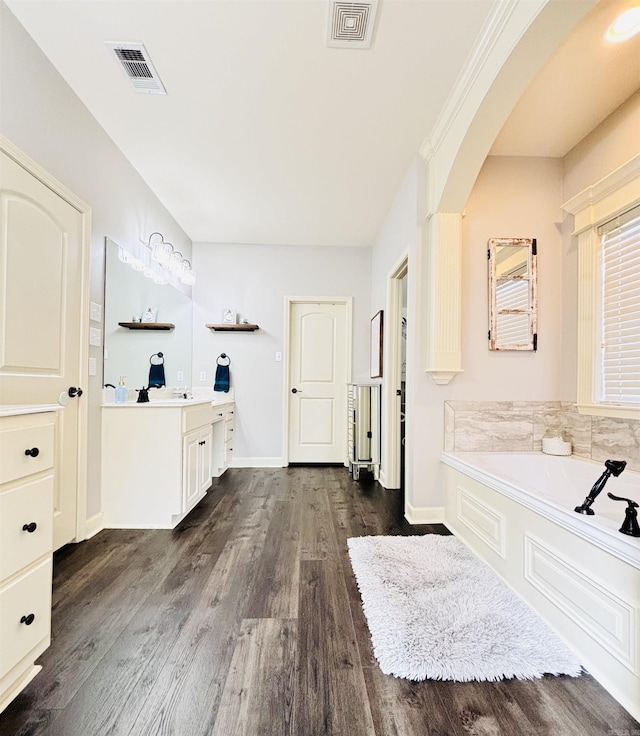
x=319, y=357
x=40, y=316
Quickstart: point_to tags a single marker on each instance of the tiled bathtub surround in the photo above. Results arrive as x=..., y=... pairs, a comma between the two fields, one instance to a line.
x=519, y=426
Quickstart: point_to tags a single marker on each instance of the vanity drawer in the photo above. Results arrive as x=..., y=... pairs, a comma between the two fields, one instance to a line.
x=219, y=413
x=29, y=595
x=27, y=505
x=15, y=442
x=197, y=416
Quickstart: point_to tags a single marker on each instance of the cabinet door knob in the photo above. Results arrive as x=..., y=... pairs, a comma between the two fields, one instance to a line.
x=33, y=452
x=296, y=391
x=31, y=527
x=75, y=391
x=28, y=620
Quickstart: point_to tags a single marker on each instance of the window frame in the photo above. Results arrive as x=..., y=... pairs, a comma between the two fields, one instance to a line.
x=591, y=208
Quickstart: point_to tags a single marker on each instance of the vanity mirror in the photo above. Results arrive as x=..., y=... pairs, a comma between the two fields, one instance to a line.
x=128, y=343
x=513, y=300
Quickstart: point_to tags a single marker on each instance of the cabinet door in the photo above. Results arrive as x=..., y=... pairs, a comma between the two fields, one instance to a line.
x=205, y=470
x=190, y=470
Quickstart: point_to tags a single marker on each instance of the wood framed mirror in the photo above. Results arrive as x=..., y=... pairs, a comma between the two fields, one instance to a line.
x=513, y=294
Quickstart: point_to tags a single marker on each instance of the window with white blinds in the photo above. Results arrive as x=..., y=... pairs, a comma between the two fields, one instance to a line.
x=620, y=305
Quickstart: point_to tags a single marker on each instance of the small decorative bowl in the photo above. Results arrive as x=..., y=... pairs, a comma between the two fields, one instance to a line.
x=555, y=446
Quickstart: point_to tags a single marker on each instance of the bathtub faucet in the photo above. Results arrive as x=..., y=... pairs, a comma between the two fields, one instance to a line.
x=630, y=524
x=612, y=467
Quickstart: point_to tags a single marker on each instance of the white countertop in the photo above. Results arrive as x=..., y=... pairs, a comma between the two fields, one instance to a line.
x=10, y=410
x=167, y=403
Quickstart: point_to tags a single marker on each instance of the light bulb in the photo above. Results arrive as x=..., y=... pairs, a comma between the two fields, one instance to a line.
x=175, y=262
x=625, y=26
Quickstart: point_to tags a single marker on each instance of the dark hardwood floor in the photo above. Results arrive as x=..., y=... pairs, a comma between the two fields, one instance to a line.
x=246, y=620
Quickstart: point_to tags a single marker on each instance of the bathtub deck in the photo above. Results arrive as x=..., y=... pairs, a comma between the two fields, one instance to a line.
x=246, y=619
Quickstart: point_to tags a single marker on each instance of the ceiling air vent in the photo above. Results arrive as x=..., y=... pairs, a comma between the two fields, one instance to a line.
x=350, y=25
x=135, y=63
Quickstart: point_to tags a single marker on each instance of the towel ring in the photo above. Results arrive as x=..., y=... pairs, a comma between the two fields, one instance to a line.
x=160, y=356
x=223, y=356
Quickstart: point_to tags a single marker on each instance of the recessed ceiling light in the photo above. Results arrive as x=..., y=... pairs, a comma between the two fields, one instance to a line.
x=625, y=26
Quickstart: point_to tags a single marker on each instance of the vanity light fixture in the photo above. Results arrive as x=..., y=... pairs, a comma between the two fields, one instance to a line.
x=164, y=254
x=625, y=26
x=159, y=262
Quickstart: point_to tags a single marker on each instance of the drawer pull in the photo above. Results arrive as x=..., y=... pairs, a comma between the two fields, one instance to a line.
x=31, y=527
x=28, y=620
x=33, y=452
x=204, y=442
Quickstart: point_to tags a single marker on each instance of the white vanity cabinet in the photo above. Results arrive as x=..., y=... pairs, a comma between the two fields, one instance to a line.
x=158, y=460
x=27, y=478
x=196, y=459
x=224, y=438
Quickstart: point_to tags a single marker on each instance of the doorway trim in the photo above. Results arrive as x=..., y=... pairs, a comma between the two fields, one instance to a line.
x=390, y=465
x=289, y=301
x=37, y=171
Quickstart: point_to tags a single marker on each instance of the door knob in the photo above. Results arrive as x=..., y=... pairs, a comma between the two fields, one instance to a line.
x=28, y=620
x=33, y=452
x=296, y=391
x=31, y=527
x=74, y=391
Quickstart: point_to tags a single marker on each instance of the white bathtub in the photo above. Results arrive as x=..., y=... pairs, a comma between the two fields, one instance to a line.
x=516, y=511
x=553, y=486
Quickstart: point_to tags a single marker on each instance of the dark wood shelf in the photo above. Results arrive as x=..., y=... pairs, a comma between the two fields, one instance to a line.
x=233, y=328
x=147, y=325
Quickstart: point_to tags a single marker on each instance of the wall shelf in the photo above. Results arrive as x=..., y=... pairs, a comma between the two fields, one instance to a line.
x=147, y=325
x=233, y=328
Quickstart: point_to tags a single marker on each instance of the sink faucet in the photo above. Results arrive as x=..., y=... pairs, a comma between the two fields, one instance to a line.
x=612, y=467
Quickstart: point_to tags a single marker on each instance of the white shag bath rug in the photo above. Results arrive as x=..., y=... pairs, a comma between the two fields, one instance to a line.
x=436, y=611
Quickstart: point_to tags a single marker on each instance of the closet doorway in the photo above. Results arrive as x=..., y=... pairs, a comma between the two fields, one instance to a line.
x=394, y=371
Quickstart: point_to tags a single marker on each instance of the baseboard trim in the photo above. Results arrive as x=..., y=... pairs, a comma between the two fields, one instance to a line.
x=424, y=514
x=382, y=479
x=257, y=462
x=94, y=525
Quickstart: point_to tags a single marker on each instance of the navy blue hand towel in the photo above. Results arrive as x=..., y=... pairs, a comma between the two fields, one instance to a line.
x=156, y=375
x=222, y=378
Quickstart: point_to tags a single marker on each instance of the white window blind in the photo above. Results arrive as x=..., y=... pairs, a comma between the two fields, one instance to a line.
x=620, y=363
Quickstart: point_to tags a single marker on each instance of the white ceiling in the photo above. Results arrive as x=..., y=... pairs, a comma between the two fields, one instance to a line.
x=583, y=82
x=268, y=136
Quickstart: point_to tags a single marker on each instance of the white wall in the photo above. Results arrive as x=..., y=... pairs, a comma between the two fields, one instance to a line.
x=611, y=144
x=511, y=198
x=254, y=280
x=41, y=115
x=399, y=236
